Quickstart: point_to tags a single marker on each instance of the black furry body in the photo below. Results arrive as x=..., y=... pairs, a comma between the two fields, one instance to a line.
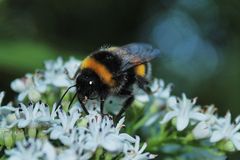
x=113, y=71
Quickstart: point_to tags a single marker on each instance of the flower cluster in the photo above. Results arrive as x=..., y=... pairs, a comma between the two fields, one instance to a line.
x=81, y=139
x=32, y=150
x=50, y=132
x=56, y=74
x=207, y=124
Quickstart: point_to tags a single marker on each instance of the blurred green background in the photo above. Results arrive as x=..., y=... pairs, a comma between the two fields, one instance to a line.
x=199, y=40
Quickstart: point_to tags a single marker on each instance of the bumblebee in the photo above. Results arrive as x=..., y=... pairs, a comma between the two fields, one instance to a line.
x=113, y=71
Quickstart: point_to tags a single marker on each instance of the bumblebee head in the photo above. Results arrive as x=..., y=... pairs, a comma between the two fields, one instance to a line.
x=87, y=85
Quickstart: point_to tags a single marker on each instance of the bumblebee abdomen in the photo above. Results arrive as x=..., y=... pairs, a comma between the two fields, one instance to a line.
x=110, y=60
x=105, y=65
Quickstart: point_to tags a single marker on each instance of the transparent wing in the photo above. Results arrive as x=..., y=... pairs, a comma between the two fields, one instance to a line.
x=136, y=53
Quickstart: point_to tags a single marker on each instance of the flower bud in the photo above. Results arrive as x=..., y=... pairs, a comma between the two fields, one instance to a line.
x=19, y=135
x=174, y=121
x=32, y=132
x=8, y=139
x=42, y=135
x=201, y=131
x=11, y=118
x=34, y=95
x=226, y=145
x=1, y=137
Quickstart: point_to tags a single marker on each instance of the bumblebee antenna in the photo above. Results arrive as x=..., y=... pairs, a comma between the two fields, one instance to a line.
x=60, y=101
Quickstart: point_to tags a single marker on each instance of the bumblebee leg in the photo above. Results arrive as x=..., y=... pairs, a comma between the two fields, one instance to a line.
x=126, y=104
x=83, y=107
x=102, y=100
x=143, y=84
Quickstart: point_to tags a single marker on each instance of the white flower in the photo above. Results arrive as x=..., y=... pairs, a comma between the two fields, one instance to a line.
x=47, y=116
x=72, y=66
x=7, y=116
x=135, y=152
x=77, y=149
x=33, y=115
x=29, y=115
x=183, y=110
x=7, y=121
x=161, y=92
x=101, y=132
x=225, y=130
x=75, y=153
x=30, y=86
x=202, y=130
x=64, y=129
x=210, y=113
x=4, y=110
x=32, y=150
x=55, y=74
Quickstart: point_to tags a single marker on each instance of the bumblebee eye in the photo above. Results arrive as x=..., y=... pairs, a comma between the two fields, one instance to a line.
x=90, y=82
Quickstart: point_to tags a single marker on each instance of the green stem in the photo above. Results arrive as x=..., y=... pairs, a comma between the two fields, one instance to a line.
x=108, y=156
x=99, y=153
x=141, y=122
x=152, y=110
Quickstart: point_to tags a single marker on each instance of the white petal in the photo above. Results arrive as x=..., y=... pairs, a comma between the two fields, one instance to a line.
x=14, y=158
x=228, y=117
x=142, y=98
x=6, y=109
x=23, y=123
x=21, y=96
x=18, y=85
x=72, y=66
x=112, y=143
x=236, y=128
x=12, y=124
x=65, y=140
x=49, y=150
x=236, y=140
x=182, y=122
x=202, y=130
x=74, y=119
x=172, y=102
x=237, y=119
x=55, y=134
x=170, y=115
x=137, y=143
x=34, y=95
x=90, y=145
x=1, y=97
x=216, y=136
x=143, y=148
x=120, y=124
x=152, y=156
x=61, y=81
x=197, y=116
x=127, y=137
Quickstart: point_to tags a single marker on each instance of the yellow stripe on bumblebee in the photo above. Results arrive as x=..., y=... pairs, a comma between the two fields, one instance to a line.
x=105, y=75
x=140, y=70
